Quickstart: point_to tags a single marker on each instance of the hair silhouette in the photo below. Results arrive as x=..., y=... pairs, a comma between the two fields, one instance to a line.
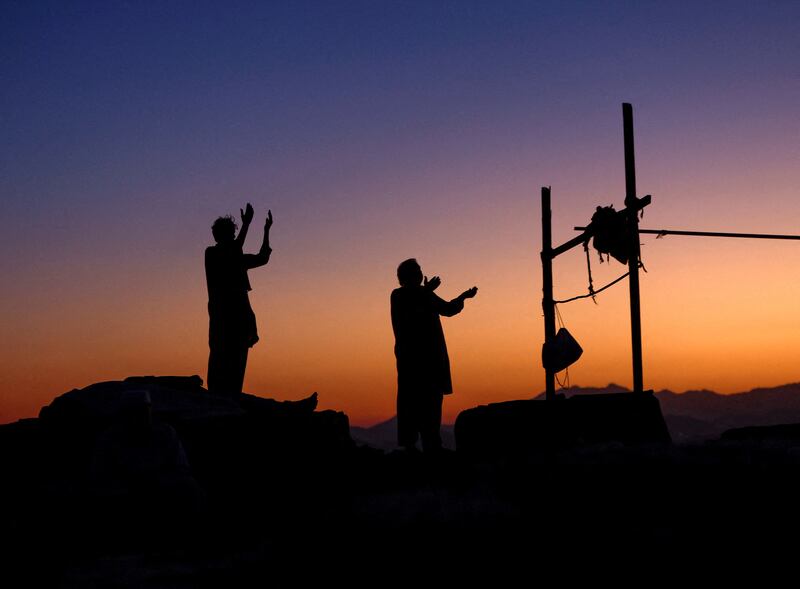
x=409, y=272
x=224, y=229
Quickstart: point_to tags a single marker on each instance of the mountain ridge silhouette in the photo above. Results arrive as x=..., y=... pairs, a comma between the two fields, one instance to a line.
x=383, y=435
x=692, y=416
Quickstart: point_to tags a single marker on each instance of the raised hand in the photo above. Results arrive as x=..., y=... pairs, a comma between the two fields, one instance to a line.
x=469, y=293
x=247, y=213
x=268, y=222
x=431, y=284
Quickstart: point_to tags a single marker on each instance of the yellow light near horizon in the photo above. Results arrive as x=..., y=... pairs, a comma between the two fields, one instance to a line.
x=716, y=314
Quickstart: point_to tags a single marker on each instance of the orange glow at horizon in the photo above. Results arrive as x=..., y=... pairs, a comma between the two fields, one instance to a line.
x=718, y=314
x=414, y=130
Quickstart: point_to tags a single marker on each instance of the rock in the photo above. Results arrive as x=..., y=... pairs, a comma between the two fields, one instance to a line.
x=173, y=398
x=230, y=442
x=787, y=432
x=535, y=425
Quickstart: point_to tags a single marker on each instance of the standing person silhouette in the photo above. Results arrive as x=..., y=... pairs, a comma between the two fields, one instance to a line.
x=423, y=366
x=232, y=324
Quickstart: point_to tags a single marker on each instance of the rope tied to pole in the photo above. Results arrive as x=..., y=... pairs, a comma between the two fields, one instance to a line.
x=565, y=384
x=589, y=270
x=609, y=238
x=592, y=292
x=596, y=292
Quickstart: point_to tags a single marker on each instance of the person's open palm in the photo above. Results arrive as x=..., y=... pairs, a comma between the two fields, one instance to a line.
x=431, y=284
x=247, y=213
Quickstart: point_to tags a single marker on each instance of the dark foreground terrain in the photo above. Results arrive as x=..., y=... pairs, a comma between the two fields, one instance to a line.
x=271, y=491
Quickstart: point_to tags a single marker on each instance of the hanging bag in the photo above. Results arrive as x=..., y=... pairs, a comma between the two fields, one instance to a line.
x=561, y=351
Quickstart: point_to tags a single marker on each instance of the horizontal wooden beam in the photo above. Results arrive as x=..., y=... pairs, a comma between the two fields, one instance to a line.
x=704, y=234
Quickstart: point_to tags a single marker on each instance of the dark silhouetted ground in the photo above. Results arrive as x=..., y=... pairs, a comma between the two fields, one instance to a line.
x=287, y=493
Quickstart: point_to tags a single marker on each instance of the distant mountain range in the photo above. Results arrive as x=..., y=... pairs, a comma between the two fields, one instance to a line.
x=384, y=435
x=691, y=416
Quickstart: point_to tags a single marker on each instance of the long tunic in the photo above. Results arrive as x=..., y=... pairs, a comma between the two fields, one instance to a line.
x=232, y=323
x=423, y=366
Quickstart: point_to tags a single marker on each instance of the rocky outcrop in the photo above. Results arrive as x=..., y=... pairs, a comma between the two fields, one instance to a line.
x=248, y=427
x=172, y=397
x=144, y=449
x=159, y=463
x=533, y=425
x=787, y=433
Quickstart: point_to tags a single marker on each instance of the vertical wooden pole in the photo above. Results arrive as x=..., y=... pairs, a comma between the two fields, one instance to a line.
x=633, y=248
x=548, y=307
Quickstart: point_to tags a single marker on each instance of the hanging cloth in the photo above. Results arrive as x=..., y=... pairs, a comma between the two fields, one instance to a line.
x=610, y=233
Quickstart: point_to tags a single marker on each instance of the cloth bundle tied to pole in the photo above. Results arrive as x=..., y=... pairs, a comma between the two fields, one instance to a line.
x=610, y=231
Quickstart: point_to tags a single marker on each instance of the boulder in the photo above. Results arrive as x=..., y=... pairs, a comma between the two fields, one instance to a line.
x=787, y=432
x=242, y=438
x=536, y=425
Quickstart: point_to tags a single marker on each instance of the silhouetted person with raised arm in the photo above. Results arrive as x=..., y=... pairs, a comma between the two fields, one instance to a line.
x=423, y=367
x=232, y=323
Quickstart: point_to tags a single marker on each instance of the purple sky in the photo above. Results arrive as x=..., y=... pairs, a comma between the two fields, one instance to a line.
x=375, y=131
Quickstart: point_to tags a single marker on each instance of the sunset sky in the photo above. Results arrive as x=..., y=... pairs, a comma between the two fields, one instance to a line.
x=378, y=131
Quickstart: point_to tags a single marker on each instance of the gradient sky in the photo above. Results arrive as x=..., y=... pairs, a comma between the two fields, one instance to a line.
x=378, y=131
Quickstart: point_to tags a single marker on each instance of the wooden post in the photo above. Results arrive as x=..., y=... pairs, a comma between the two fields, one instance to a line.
x=633, y=248
x=548, y=307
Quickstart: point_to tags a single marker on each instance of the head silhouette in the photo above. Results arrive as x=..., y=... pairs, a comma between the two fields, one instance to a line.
x=224, y=229
x=409, y=273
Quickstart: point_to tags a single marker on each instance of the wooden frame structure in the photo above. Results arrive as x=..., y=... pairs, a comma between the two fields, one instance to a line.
x=633, y=205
